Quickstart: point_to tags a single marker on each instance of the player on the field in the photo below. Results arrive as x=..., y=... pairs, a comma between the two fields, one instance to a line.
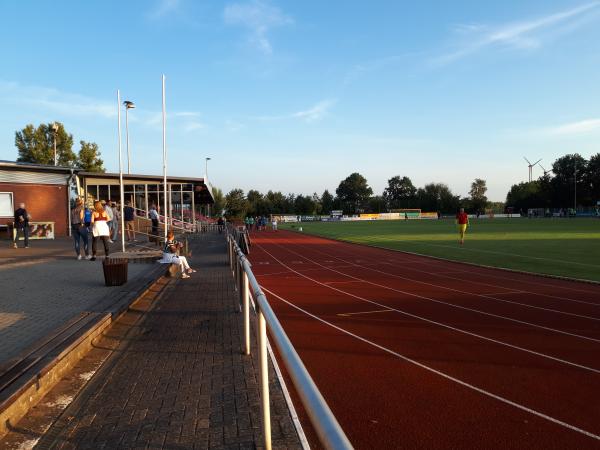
x=462, y=219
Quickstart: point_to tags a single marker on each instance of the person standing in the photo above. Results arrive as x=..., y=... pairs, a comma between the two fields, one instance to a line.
x=109, y=212
x=21, y=224
x=79, y=229
x=129, y=214
x=274, y=223
x=116, y=208
x=462, y=219
x=100, y=229
x=153, y=214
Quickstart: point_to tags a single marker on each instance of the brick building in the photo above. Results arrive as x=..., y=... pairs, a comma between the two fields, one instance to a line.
x=48, y=192
x=45, y=190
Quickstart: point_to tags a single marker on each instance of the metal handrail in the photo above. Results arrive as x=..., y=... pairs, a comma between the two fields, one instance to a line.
x=328, y=429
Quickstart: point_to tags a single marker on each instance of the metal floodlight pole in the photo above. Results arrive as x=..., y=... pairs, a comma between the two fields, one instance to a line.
x=164, y=123
x=120, y=170
x=128, y=105
x=206, y=160
x=575, y=190
x=54, y=132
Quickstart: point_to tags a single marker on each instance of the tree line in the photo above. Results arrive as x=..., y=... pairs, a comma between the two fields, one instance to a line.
x=572, y=181
x=36, y=145
x=354, y=196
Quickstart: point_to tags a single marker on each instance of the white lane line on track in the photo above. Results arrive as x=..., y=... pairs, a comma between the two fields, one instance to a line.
x=446, y=275
x=434, y=300
x=442, y=374
x=365, y=312
x=450, y=327
x=556, y=311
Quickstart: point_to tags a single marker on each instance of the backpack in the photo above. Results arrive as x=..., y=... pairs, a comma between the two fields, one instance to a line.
x=87, y=217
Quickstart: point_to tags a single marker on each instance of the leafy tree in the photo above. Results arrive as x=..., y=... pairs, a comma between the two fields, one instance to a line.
x=236, y=204
x=36, y=145
x=477, y=195
x=437, y=197
x=400, y=193
x=89, y=157
x=219, y=205
x=278, y=203
x=593, y=178
x=563, y=183
x=377, y=204
x=326, y=202
x=254, y=199
x=354, y=192
x=304, y=205
x=525, y=195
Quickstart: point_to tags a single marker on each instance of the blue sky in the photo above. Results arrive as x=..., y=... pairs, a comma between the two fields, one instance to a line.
x=296, y=95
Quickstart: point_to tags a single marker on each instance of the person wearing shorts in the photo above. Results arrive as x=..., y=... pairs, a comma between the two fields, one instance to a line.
x=462, y=220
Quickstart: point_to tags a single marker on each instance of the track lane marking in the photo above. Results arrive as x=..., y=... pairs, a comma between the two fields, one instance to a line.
x=364, y=312
x=450, y=327
x=581, y=316
x=442, y=374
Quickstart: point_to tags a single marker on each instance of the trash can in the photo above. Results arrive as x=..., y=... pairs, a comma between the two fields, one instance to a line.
x=115, y=271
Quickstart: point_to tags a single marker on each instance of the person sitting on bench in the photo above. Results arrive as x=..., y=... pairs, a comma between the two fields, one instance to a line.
x=170, y=255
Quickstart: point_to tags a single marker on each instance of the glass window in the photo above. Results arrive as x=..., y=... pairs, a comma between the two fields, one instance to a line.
x=152, y=188
x=115, y=193
x=6, y=204
x=102, y=192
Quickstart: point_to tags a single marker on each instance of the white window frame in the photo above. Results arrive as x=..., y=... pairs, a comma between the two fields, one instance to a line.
x=12, y=204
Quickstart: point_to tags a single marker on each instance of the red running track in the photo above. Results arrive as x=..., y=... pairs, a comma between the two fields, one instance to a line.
x=414, y=352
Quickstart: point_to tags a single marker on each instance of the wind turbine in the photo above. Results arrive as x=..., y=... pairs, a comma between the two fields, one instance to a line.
x=546, y=172
x=531, y=167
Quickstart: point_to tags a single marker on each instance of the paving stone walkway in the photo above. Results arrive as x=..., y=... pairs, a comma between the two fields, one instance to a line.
x=44, y=286
x=178, y=380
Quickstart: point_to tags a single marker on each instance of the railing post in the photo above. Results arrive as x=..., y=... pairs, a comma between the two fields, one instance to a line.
x=246, y=298
x=264, y=377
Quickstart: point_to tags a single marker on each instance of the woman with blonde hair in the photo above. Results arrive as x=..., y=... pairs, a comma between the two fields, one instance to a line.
x=100, y=229
x=170, y=255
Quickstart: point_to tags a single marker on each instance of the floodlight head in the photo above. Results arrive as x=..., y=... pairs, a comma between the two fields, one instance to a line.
x=208, y=159
x=128, y=104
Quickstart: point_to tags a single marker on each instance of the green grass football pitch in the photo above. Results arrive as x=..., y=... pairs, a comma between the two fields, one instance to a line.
x=564, y=247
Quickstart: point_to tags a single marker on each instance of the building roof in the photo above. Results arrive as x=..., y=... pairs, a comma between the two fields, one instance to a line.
x=157, y=178
x=32, y=167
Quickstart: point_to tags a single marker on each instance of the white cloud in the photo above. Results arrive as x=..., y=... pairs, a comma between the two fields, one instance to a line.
x=576, y=128
x=519, y=35
x=163, y=8
x=53, y=100
x=259, y=17
x=193, y=126
x=317, y=112
x=312, y=114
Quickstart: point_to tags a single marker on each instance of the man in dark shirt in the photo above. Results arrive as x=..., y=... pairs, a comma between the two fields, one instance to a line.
x=21, y=224
x=129, y=216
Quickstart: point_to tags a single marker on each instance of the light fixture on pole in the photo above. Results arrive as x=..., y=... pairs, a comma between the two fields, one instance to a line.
x=128, y=105
x=206, y=160
x=120, y=171
x=164, y=143
x=55, y=128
